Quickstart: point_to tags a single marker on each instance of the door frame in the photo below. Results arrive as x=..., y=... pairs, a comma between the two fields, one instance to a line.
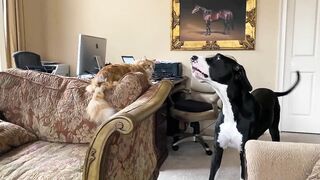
x=281, y=65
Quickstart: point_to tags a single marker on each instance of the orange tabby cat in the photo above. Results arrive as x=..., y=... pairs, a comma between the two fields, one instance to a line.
x=109, y=75
x=98, y=108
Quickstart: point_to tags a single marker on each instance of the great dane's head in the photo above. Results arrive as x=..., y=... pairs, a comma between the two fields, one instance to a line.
x=220, y=70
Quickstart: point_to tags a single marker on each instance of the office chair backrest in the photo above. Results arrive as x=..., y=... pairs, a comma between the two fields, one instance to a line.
x=200, y=87
x=25, y=59
x=203, y=92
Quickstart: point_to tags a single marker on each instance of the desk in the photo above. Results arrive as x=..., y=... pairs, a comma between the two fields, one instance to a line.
x=163, y=121
x=58, y=69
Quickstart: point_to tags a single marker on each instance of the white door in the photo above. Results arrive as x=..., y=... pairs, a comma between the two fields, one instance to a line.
x=301, y=51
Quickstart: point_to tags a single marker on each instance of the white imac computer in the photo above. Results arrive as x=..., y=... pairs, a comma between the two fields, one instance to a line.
x=91, y=55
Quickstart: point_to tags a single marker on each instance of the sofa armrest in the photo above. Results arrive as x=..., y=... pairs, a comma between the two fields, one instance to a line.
x=280, y=160
x=122, y=137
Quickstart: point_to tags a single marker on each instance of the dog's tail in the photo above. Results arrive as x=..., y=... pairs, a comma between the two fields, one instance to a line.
x=278, y=94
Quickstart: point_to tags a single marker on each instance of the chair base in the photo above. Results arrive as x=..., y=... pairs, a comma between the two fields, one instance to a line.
x=193, y=138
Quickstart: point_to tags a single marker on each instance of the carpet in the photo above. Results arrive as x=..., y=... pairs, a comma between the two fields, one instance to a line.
x=191, y=163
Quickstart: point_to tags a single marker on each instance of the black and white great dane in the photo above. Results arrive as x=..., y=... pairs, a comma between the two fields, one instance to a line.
x=245, y=115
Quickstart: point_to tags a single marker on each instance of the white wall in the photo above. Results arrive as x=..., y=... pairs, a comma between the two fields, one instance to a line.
x=35, y=16
x=139, y=28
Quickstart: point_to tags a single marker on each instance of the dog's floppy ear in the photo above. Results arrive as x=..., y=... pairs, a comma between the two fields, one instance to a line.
x=240, y=74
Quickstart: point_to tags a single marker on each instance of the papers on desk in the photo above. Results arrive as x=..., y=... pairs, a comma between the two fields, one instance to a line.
x=86, y=76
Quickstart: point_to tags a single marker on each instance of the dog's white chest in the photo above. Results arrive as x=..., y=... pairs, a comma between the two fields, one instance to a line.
x=229, y=136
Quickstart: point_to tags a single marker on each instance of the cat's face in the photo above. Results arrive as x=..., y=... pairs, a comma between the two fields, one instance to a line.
x=147, y=65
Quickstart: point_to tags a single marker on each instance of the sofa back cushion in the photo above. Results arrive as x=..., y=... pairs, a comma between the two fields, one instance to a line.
x=53, y=107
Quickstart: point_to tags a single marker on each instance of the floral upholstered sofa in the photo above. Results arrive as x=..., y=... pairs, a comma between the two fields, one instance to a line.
x=46, y=134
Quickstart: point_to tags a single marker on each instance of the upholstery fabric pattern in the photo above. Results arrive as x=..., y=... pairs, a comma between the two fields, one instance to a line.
x=12, y=136
x=286, y=160
x=53, y=107
x=43, y=161
x=128, y=90
x=315, y=174
x=131, y=155
x=145, y=96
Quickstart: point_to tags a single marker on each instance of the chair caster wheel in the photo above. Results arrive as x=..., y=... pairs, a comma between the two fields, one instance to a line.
x=176, y=138
x=175, y=148
x=209, y=152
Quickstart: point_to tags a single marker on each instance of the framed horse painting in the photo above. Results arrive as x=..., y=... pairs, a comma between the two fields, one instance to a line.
x=213, y=25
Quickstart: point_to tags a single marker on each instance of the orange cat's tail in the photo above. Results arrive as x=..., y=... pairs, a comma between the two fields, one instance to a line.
x=98, y=108
x=96, y=83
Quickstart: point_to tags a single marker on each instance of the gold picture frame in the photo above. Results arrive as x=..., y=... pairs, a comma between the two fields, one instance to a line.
x=192, y=31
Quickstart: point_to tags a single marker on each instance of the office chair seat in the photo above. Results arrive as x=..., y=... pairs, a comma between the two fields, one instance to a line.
x=190, y=105
x=192, y=112
x=193, y=119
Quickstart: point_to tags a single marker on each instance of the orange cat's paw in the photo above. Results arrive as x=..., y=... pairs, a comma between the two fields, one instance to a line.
x=90, y=88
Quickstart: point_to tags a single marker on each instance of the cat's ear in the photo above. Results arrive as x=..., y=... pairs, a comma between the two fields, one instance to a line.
x=153, y=60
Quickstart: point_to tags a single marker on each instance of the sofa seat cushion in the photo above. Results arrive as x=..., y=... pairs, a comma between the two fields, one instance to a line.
x=44, y=160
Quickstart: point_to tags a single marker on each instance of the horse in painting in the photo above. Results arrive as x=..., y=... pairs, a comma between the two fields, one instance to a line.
x=210, y=16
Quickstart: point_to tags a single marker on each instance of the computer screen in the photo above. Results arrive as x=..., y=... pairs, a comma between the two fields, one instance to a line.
x=91, y=54
x=128, y=59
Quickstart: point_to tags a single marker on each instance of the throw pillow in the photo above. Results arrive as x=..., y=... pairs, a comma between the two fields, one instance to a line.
x=315, y=174
x=12, y=136
x=130, y=87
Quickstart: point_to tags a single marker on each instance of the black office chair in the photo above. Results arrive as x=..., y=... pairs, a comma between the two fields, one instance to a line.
x=29, y=61
x=190, y=108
